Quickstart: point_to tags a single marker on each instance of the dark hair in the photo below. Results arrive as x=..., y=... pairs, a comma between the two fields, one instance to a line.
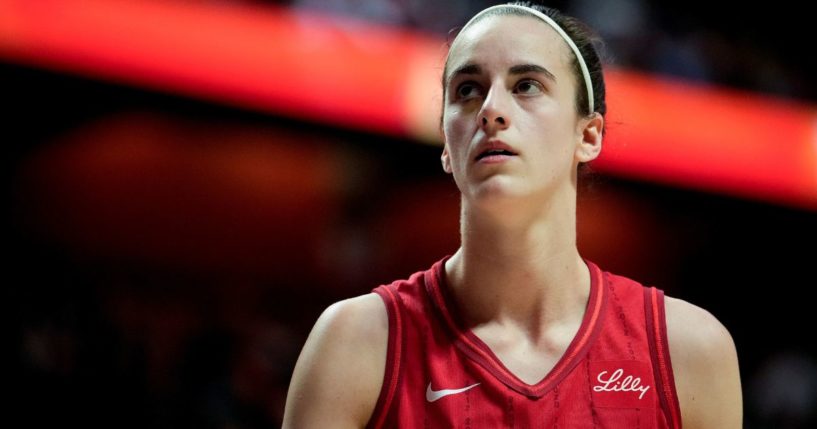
x=584, y=38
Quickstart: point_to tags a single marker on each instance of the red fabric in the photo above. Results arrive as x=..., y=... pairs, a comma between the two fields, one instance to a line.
x=606, y=377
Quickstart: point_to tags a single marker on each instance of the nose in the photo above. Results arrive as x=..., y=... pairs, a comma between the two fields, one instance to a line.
x=493, y=116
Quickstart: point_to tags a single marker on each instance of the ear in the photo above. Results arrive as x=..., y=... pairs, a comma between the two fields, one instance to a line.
x=446, y=160
x=589, y=133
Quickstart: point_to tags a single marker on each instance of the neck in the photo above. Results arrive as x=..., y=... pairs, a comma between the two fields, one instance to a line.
x=525, y=272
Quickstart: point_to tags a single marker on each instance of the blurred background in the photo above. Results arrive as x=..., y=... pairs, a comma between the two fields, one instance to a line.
x=191, y=182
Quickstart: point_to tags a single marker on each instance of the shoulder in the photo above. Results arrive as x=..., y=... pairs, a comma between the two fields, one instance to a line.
x=361, y=319
x=705, y=367
x=337, y=379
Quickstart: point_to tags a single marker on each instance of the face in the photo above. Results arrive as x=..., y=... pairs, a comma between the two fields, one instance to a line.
x=509, y=118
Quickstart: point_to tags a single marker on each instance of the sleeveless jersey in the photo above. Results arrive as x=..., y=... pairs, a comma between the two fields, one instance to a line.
x=616, y=372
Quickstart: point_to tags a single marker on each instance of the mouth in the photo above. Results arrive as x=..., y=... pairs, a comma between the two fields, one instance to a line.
x=492, y=153
x=495, y=151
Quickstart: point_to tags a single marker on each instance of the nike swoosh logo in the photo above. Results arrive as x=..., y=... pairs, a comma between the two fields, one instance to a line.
x=433, y=395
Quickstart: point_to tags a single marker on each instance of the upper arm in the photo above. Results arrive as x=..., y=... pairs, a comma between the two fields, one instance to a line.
x=705, y=367
x=337, y=379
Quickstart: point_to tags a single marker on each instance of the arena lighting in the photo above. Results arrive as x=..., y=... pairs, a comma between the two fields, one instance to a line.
x=386, y=80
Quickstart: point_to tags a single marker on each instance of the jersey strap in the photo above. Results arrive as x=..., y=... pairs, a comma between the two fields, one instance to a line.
x=393, y=356
x=659, y=351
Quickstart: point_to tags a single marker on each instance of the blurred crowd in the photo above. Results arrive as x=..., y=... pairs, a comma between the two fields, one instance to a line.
x=750, y=48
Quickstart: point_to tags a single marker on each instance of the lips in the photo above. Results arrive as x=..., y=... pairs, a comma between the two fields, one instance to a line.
x=494, y=148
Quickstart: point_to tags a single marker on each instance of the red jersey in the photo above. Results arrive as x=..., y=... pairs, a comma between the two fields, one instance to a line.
x=616, y=373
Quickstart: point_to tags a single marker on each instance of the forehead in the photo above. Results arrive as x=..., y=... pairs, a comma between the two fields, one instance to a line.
x=509, y=39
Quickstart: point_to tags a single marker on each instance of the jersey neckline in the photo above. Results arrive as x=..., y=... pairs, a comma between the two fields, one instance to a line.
x=473, y=347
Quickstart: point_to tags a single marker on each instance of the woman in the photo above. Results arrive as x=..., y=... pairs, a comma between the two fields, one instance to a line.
x=516, y=329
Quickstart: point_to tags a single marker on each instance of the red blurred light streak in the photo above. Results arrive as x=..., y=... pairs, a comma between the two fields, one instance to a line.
x=359, y=75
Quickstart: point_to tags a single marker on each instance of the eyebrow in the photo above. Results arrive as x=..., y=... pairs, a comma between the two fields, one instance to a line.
x=471, y=69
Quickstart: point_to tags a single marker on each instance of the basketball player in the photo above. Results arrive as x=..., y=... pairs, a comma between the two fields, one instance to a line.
x=516, y=329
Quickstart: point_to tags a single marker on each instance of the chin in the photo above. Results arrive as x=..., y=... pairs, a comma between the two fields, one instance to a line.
x=496, y=193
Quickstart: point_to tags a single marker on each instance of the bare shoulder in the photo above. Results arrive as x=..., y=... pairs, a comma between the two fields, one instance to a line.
x=705, y=367
x=695, y=329
x=339, y=373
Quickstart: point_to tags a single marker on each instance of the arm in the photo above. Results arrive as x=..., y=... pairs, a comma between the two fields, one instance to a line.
x=337, y=379
x=705, y=365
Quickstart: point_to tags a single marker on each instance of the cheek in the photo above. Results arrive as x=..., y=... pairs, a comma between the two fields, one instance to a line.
x=456, y=128
x=456, y=124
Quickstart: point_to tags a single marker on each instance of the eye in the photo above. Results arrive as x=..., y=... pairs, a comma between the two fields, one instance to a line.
x=467, y=90
x=529, y=86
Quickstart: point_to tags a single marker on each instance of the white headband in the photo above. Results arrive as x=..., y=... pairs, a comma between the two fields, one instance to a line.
x=587, y=82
